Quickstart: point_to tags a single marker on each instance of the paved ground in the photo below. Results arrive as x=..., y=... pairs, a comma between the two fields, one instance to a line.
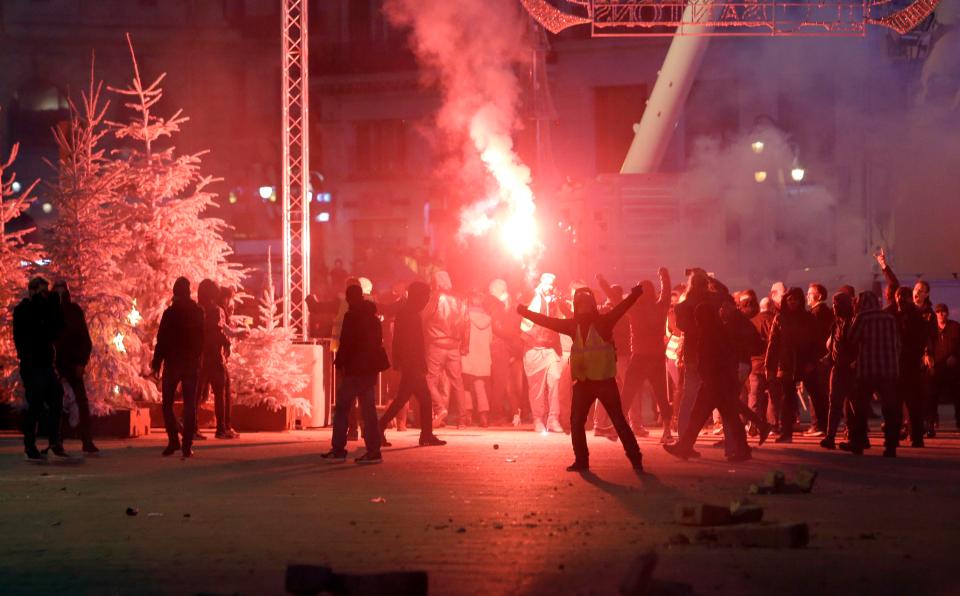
x=480, y=520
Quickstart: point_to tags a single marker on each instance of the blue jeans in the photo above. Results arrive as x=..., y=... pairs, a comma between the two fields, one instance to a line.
x=353, y=387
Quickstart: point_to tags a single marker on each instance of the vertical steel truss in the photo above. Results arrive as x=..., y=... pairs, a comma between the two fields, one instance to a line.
x=296, y=166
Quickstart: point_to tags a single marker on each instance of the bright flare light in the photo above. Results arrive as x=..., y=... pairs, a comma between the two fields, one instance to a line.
x=759, y=175
x=118, y=343
x=797, y=174
x=133, y=317
x=266, y=192
x=757, y=146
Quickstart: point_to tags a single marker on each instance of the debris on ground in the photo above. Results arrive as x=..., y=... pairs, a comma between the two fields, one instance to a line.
x=496, y=446
x=131, y=511
x=378, y=500
x=776, y=535
x=774, y=482
x=511, y=460
x=703, y=514
x=313, y=579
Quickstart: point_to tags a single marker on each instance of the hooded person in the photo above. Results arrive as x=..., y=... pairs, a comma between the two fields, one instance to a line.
x=213, y=364
x=792, y=356
x=841, y=356
x=74, y=347
x=541, y=359
x=177, y=353
x=37, y=322
x=593, y=366
x=410, y=358
x=448, y=339
x=359, y=360
x=876, y=341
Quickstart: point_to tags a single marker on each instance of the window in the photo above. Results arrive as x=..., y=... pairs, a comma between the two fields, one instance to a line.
x=381, y=148
x=616, y=110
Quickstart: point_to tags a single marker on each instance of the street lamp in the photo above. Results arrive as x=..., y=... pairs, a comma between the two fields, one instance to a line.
x=797, y=173
x=757, y=146
x=760, y=176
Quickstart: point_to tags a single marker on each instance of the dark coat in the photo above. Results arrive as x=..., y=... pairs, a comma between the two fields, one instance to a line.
x=73, y=344
x=37, y=322
x=793, y=346
x=914, y=337
x=216, y=345
x=361, y=342
x=823, y=315
x=180, y=337
x=409, y=349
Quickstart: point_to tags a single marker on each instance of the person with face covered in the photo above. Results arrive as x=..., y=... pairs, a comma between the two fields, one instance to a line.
x=593, y=365
x=841, y=356
x=791, y=356
x=37, y=322
x=410, y=358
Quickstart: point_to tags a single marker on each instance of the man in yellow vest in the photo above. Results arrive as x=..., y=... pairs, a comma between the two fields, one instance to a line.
x=593, y=365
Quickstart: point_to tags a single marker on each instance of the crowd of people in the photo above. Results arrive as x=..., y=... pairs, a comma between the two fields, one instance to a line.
x=559, y=361
x=566, y=361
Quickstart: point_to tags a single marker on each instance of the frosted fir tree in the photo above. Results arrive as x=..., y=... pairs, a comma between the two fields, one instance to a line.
x=263, y=368
x=166, y=195
x=18, y=257
x=86, y=246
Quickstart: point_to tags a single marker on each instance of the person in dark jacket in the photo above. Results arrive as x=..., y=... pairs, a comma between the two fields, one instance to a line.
x=593, y=365
x=213, y=362
x=914, y=347
x=360, y=358
x=819, y=379
x=506, y=355
x=762, y=397
x=843, y=378
x=73, y=353
x=178, y=352
x=410, y=358
x=946, y=361
x=37, y=322
x=791, y=356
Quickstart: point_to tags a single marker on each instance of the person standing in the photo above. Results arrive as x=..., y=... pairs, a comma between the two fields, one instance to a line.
x=37, y=322
x=876, y=340
x=359, y=360
x=914, y=349
x=842, y=357
x=476, y=365
x=946, y=361
x=593, y=365
x=506, y=355
x=410, y=358
x=448, y=339
x=817, y=383
x=73, y=353
x=541, y=360
x=178, y=352
x=213, y=363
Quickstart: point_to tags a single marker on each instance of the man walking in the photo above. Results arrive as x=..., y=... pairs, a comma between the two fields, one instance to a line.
x=359, y=360
x=73, y=353
x=37, y=322
x=448, y=339
x=213, y=365
x=178, y=351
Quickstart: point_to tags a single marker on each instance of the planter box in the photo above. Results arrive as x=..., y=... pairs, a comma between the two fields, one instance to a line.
x=122, y=423
x=207, y=416
x=261, y=419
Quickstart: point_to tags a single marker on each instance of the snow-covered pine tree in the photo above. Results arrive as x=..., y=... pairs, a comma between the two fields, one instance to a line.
x=86, y=245
x=166, y=195
x=263, y=368
x=17, y=259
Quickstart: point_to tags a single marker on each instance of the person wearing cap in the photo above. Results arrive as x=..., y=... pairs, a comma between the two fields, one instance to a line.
x=946, y=360
x=593, y=365
x=37, y=322
x=177, y=353
x=73, y=353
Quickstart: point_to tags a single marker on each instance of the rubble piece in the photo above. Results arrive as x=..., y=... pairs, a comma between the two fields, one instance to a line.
x=639, y=575
x=131, y=511
x=378, y=500
x=774, y=482
x=804, y=479
x=304, y=580
x=702, y=514
x=759, y=535
x=496, y=446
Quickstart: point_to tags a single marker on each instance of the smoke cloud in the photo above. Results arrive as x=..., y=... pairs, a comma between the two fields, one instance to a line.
x=471, y=50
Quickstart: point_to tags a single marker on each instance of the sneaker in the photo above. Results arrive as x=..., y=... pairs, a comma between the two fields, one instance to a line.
x=334, y=457
x=199, y=436
x=828, y=443
x=578, y=466
x=187, y=453
x=814, y=432
x=637, y=462
x=384, y=442
x=431, y=441
x=227, y=434
x=553, y=425
x=763, y=432
x=369, y=458
x=538, y=426
x=850, y=447
x=171, y=449
x=58, y=452
x=641, y=431
x=516, y=419
x=717, y=430
x=667, y=437
x=675, y=450
x=783, y=439
x=33, y=455
x=609, y=434
x=90, y=448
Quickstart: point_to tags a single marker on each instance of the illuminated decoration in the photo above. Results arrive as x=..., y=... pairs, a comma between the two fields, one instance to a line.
x=232, y=198
x=47, y=208
x=757, y=146
x=118, y=343
x=323, y=216
x=646, y=18
x=116, y=389
x=759, y=175
x=15, y=186
x=797, y=173
x=133, y=317
x=295, y=165
x=266, y=192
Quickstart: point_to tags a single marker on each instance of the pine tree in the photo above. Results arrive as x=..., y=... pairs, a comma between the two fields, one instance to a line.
x=263, y=369
x=18, y=257
x=86, y=245
x=166, y=195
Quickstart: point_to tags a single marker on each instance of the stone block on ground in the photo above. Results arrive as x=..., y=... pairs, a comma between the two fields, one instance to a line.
x=780, y=535
x=701, y=514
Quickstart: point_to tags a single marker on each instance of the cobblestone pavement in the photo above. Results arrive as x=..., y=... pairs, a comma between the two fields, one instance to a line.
x=493, y=512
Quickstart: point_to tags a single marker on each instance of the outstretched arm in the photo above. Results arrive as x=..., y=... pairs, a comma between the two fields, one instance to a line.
x=621, y=309
x=607, y=288
x=665, y=286
x=565, y=326
x=892, y=282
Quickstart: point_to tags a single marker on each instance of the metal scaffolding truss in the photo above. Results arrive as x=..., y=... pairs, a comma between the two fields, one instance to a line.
x=295, y=166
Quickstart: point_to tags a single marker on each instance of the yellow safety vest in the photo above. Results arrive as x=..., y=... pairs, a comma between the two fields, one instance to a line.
x=594, y=359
